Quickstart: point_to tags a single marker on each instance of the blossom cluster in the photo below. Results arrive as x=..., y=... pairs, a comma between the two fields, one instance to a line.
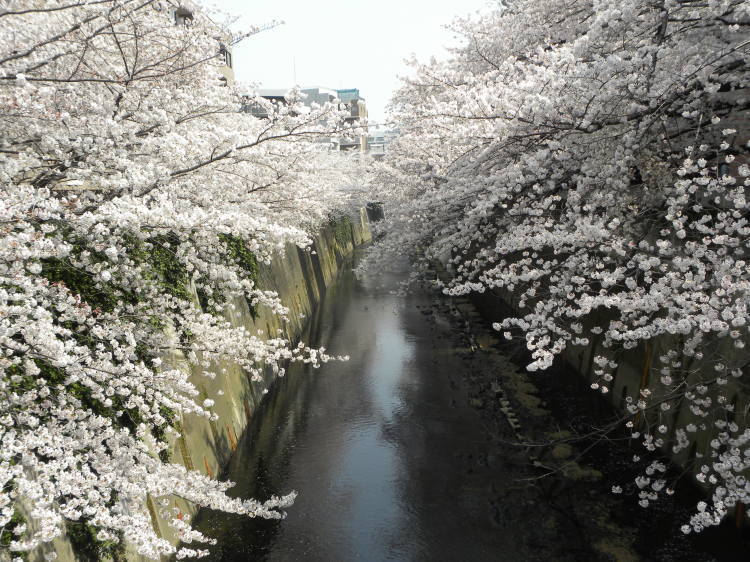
x=130, y=182
x=588, y=162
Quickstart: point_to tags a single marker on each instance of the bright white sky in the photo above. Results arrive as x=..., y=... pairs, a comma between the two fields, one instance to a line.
x=343, y=43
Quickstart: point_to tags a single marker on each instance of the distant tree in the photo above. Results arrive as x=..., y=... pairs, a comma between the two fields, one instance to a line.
x=590, y=159
x=128, y=175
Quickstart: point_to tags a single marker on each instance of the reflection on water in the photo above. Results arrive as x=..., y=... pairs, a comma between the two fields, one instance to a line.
x=376, y=446
x=392, y=463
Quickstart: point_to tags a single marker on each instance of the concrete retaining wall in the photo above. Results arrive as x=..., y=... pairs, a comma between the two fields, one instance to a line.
x=639, y=368
x=300, y=278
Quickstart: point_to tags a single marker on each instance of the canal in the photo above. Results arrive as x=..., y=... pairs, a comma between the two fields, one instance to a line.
x=396, y=454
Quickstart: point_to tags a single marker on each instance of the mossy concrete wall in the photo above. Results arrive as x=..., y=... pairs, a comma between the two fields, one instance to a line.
x=300, y=278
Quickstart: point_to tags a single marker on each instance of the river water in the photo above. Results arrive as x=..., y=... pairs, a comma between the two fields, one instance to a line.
x=391, y=453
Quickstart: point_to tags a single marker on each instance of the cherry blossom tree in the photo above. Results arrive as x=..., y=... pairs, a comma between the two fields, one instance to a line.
x=588, y=162
x=129, y=182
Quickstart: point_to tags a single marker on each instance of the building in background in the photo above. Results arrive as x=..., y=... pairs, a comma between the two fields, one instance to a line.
x=357, y=115
x=378, y=141
x=249, y=105
x=319, y=95
x=227, y=70
x=349, y=99
x=184, y=16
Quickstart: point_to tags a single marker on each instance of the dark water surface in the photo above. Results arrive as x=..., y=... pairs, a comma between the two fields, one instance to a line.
x=401, y=453
x=382, y=449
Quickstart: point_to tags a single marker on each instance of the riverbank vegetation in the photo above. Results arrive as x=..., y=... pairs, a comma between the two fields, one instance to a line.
x=135, y=201
x=588, y=162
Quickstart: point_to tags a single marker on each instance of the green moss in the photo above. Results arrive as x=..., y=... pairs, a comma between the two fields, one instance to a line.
x=170, y=271
x=6, y=533
x=560, y=435
x=103, y=296
x=342, y=229
x=239, y=254
x=187, y=337
x=160, y=432
x=19, y=381
x=88, y=548
x=55, y=376
x=130, y=419
x=562, y=451
x=575, y=471
x=163, y=266
x=207, y=304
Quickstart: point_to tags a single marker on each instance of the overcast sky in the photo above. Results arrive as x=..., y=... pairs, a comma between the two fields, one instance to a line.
x=343, y=43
